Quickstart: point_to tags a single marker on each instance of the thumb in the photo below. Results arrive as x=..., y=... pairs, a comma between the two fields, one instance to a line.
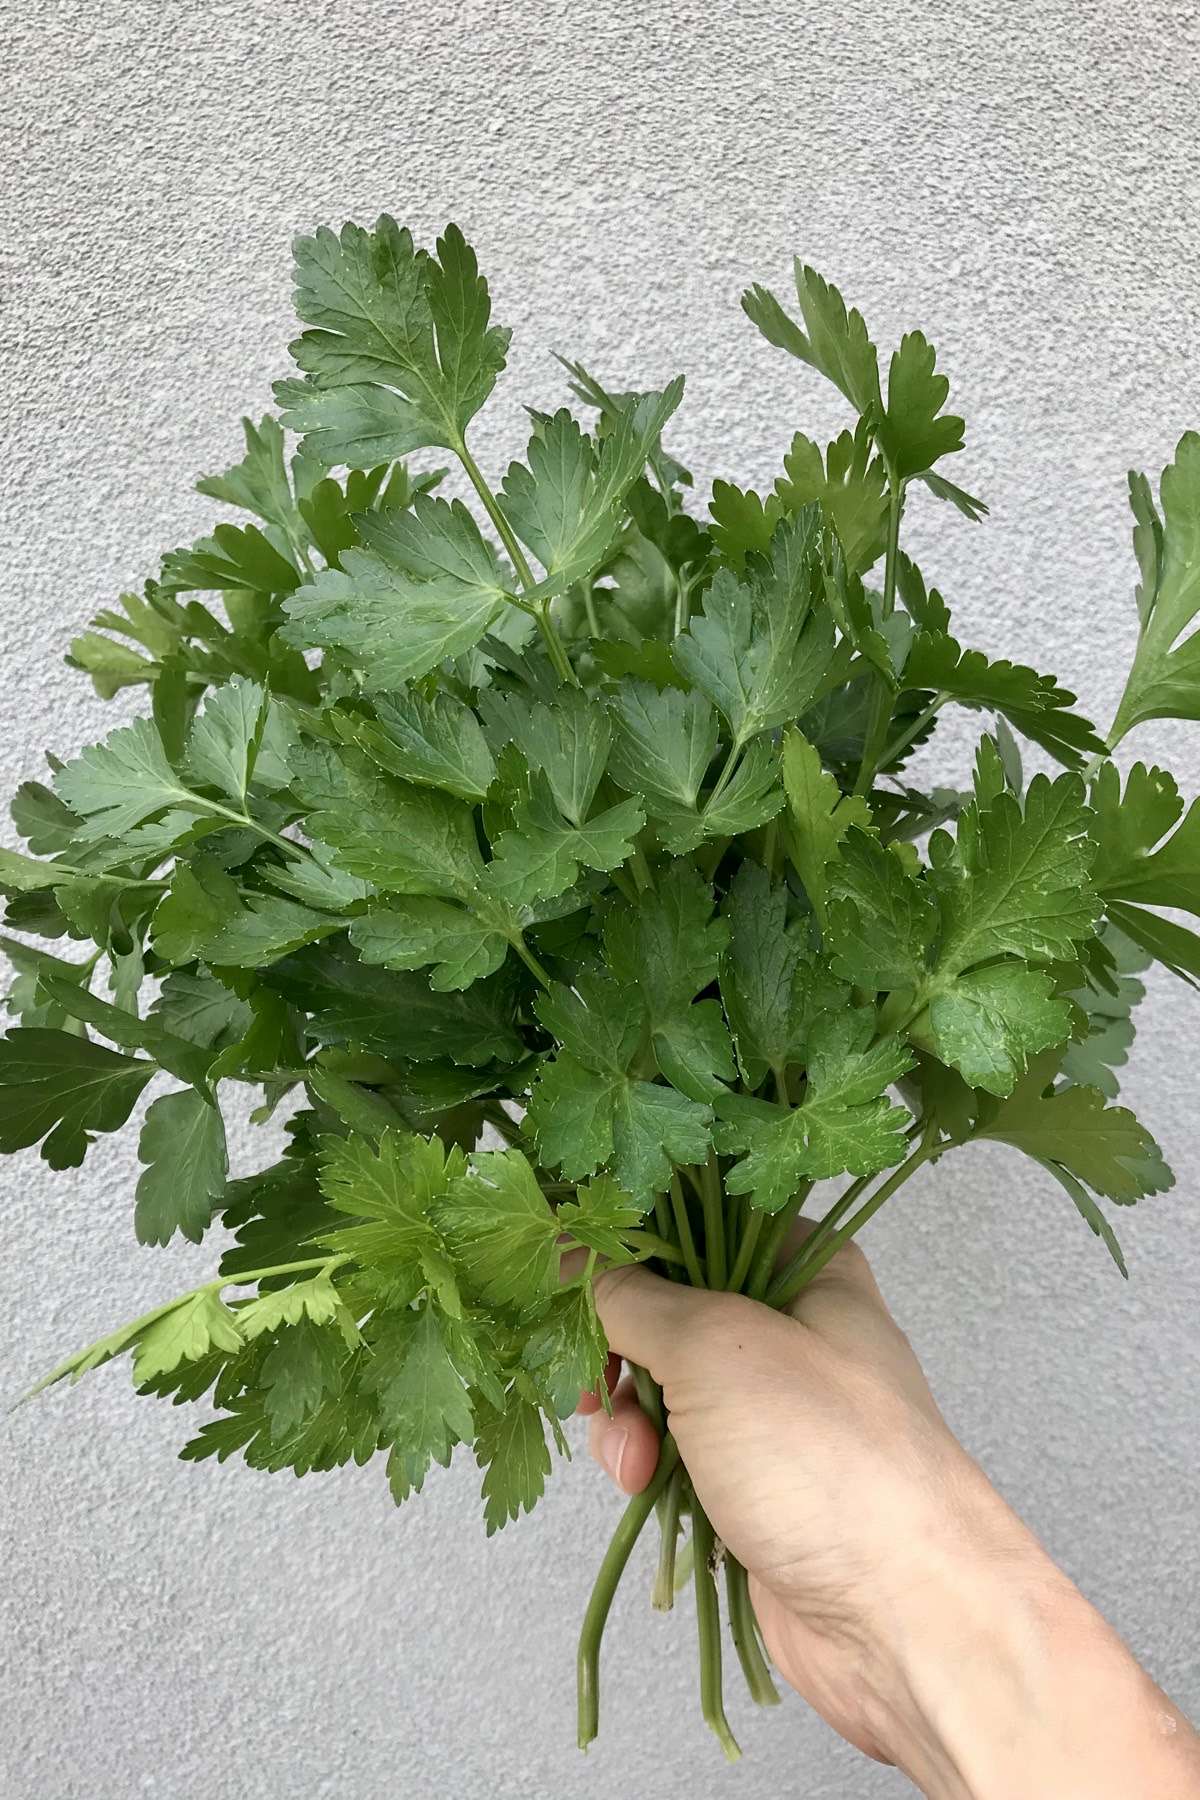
x=646, y=1317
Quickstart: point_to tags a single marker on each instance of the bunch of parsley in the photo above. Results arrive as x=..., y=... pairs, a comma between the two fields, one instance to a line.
x=550, y=866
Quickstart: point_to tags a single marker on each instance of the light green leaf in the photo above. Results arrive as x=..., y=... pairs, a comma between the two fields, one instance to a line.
x=315, y=1299
x=200, y=1323
x=423, y=1403
x=1164, y=680
x=988, y=1023
x=511, y=1449
x=299, y=1371
x=567, y=1350
x=389, y=1188
x=500, y=1230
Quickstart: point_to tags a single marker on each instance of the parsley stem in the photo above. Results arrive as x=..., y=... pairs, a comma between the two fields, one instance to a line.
x=683, y=1226
x=726, y=775
x=744, y=1631
x=242, y=1279
x=817, y=1238
x=772, y=1238
x=491, y=506
x=662, y=1595
x=817, y=1260
x=611, y=1570
x=247, y=823
x=745, y=1255
x=904, y=738
x=653, y=1245
x=508, y=537
x=708, y=1622
x=531, y=962
x=884, y=700
x=662, y=1218
x=714, y=1222
x=554, y=647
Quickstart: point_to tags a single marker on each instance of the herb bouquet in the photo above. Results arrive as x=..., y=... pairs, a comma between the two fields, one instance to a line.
x=569, y=824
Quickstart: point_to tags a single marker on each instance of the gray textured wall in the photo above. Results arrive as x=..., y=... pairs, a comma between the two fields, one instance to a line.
x=1021, y=181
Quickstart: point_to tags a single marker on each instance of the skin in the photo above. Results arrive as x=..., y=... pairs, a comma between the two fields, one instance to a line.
x=896, y=1591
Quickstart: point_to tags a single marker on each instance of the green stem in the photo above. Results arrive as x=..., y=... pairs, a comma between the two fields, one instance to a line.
x=611, y=1570
x=745, y=1255
x=517, y=557
x=714, y=1222
x=491, y=506
x=554, y=646
x=683, y=1226
x=653, y=1245
x=708, y=1623
x=662, y=1218
x=496, y=1116
x=662, y=1597
x=531, y=962
x=817, y=1239
x=768, y=1247
x=649, y=1396
x=881, y=709
x=726, y=775
x=904, y=738
x=816, y=1262
x=744, y=1630
x=247, y=823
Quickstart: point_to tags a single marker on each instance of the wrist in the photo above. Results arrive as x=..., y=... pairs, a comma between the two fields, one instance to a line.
x=1000, y=1682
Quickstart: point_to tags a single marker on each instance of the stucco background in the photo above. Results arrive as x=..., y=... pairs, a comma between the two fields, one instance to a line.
x=1020, y=181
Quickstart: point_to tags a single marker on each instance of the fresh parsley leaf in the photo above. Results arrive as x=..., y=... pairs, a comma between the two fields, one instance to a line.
x=429, y=588
x=845, y=1123
x=760, y=649
x=183, y=1144
x=400, y=335
x=1164, y=680
x=820, y=816
x=60, y=1087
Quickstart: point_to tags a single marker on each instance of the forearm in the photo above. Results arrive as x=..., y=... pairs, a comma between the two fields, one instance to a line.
x=1008, y=1685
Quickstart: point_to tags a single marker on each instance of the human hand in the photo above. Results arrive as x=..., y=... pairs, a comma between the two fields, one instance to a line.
x=895, y=1589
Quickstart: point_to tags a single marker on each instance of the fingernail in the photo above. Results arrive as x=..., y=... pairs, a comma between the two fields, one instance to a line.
x=612, y=1452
